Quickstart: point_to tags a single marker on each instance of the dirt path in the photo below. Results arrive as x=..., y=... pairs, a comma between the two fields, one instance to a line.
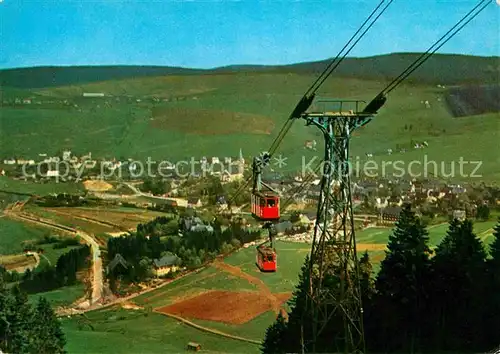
x=120, y=300
x=263, y=289
x=208, y=330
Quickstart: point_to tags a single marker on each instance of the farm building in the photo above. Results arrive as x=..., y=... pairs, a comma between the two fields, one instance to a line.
x=54, y=173
x=389, y=215
x=165, y=265
x=93, y=94
x=194, y=346
x=194, y=224
x=118, y=260
x=459, y=215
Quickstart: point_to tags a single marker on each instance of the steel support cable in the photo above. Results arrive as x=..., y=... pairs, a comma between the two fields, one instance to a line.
x=238, y=191
x=425, y=56
x=357, y=40
x=311, y=88
x=306, y=100
x=380, y=99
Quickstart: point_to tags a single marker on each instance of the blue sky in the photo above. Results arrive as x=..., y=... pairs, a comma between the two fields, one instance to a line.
x=206, y=34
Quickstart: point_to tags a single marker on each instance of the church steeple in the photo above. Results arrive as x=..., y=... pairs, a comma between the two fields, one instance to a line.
x=242, y=160
x=241, y=163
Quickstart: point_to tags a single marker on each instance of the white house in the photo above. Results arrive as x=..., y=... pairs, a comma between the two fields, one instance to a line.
x=93, y=94
x=66, y=155
x=53, y=173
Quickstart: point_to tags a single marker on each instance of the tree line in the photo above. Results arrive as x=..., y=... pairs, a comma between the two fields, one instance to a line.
x=62, y=274
x=160, y=236
x=421, y=300
x=25, y=328
x=62, y=200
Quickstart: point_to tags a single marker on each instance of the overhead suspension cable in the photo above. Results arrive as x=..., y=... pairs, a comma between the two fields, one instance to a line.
x=380, y=99
x=451, y=33
x=334, y=64
x=308, y=97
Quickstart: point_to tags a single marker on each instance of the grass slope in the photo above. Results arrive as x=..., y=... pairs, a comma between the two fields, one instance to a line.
x=41, y=189
x=60, y=297
x=145, y=328
x=122, y=331
x=443, y=68
x=14, y=233
x=223, y=112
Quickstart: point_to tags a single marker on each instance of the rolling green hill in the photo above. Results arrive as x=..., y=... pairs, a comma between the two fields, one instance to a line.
x=218, y=112
x=441, y=68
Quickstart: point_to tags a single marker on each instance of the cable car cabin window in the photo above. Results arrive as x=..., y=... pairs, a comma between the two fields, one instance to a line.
x=262, y=202
x=271, y=202
x=269, y=258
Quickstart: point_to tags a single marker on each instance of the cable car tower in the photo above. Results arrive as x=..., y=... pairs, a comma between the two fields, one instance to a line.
x=333, y=253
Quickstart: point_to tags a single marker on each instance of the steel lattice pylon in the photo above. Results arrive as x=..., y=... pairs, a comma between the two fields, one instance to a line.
x=333, y=257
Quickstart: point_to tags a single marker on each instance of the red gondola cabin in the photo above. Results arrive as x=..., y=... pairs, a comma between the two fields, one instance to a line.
x=265, y=206
x=266, y=259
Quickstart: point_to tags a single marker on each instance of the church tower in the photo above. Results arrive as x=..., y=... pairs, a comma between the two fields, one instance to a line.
x=241, y=163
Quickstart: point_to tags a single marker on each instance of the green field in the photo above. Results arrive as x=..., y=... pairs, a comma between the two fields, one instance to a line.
x=51, y=255
x=122, y=331
x=60, y=297
x=115, y=321
x=14, y=233
x=221, y=113
x=436, y=233
x=41, y=189
x=291, y=257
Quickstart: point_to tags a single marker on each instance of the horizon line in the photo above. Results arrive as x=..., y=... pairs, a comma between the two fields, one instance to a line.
x=234, y=65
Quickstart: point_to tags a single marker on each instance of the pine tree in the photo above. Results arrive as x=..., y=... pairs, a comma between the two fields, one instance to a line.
x=367, y=285
x=495, y=247
x=47, y=336
x=401, y=285
x=4, y=306
x=18, y=316
x=274, y=341
x=459, y=288
x=493, y=291
x=299, y=319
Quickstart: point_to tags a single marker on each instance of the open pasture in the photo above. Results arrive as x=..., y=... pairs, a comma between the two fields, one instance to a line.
x=217, y=122
x=209, y=122
x=230, y=296
x=97, y=220
x=14, y=234
x=140, y=331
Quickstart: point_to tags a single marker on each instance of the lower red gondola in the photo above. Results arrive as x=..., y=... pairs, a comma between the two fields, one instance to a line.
x=267, y=261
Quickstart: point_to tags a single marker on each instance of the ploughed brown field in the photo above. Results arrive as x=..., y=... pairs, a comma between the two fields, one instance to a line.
x=224, y=306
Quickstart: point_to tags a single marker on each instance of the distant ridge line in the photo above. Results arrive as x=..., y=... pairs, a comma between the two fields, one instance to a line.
x=441, y=68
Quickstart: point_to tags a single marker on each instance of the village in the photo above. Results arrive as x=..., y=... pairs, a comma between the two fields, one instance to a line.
x=381, y=198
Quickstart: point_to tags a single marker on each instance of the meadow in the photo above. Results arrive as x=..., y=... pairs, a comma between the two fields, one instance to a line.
x=60, y=297
x=221, y=113
x=13, y=236
x=221, y=276
x=14, y=233
x=37, y=188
